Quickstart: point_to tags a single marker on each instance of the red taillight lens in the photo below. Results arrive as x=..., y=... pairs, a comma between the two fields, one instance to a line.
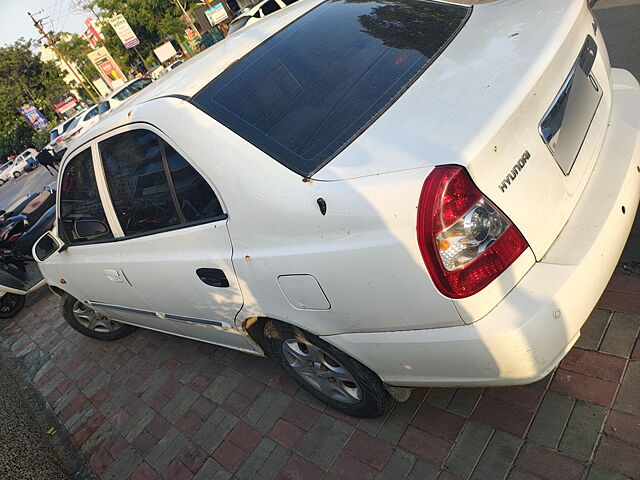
x=466, y=241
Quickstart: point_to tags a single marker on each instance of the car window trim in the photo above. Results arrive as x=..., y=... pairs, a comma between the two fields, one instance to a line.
x=109, y=208
x=195, y=223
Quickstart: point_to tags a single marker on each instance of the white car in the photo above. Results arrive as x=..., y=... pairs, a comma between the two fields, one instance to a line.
x=381, y=208
x=57, y=144
x=257, y=12
x=80, y=123
x=166, y=70
x=11, y=169
x=121, y=95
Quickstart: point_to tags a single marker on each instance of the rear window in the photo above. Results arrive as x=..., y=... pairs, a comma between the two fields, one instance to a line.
x=310, y=89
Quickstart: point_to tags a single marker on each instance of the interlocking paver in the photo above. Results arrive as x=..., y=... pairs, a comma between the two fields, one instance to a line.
x=257, y=456
x=498, y=456
x=547, y=464
x=469, y=448
x=624, y=427
x=627, y=399
x=331, y=444
x=464, y=401
x=599, y=473
x=618, y=456
x=396, y=422
x=620, y=336
x=581, y=434
x=551, y=420
x=398, y=467
x=423, y=471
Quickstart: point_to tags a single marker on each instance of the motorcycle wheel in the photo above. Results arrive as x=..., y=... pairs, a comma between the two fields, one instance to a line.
x=11, y=304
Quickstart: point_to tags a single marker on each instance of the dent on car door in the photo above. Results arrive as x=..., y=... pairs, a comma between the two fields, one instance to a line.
x=90, y=264
x=176, y=251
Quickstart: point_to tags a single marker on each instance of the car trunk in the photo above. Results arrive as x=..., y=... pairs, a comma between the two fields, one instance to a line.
x=487, y=103
x=536, y=165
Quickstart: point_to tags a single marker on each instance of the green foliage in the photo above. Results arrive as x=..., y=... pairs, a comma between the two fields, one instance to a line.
x=24, y=78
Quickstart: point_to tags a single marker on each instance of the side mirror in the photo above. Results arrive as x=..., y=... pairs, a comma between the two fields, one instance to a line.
x=89, y=228
x=46, y=246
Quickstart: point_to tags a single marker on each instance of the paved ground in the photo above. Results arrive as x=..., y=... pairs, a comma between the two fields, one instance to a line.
x=156, y=406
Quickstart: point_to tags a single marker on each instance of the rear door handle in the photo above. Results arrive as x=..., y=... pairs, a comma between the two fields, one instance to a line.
x=213, y=277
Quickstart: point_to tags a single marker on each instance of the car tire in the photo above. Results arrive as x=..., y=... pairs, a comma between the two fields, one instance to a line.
x=10, y=305
x=16, y=174
x=327, y=373
x=1, y=182
x=89, y=322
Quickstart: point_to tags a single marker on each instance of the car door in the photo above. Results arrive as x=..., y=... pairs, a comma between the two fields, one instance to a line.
x=176, y=249
x=89, y=269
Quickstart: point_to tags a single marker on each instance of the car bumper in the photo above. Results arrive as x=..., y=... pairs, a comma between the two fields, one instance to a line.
x=527, y=334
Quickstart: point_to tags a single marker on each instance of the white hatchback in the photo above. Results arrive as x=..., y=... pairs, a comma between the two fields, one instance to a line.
x=378, y=194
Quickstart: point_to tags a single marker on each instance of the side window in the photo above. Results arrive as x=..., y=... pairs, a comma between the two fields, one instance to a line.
x=270, y=7
x=91, y=113
x=137, y=182
x=152, y=186
x=289, y=2
x=79, y=199
x=194, y=195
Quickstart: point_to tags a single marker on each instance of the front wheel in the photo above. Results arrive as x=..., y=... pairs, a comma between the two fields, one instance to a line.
x=90, y=322
x=16, y=174
x=11, y=304
x=327, y=373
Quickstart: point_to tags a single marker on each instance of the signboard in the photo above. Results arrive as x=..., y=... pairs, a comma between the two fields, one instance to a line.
x=165, y=51
x=107, y=67
x=65, y=103
x=122, y=28
x=34, y=116
x=216, y=14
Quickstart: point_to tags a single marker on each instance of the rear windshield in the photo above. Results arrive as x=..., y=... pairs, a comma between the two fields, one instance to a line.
x=310, y=89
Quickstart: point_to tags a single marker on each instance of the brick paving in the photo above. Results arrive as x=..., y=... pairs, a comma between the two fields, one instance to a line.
x=156, y=406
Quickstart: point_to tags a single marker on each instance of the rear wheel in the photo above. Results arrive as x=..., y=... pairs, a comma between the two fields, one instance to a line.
x=1, y=182
x=16, y=174
x=326, y=372
x=90, y=322
x=11, y=304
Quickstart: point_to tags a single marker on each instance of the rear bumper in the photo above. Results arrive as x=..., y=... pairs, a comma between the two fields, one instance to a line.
x=526, y=335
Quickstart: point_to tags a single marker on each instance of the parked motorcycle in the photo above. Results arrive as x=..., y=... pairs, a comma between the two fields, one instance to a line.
x=19, y=274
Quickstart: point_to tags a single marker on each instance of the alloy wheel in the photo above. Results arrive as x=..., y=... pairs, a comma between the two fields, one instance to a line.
x=92, y=320
x=322, y=371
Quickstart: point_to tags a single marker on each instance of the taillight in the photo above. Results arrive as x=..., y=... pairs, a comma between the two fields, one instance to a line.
x=466, y=241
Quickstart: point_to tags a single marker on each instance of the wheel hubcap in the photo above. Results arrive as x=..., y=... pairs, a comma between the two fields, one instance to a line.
x=321, y=371
x=92, y=320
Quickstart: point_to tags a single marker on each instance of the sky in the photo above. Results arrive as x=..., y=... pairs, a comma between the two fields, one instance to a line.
x=62, y=15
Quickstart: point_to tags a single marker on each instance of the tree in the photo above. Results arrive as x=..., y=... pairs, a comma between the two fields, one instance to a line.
x=151, y=20
x=24, y=78
x=75, y=49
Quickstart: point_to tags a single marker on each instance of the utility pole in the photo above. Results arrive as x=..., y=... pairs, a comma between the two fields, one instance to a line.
x=52, y=44
x=193, y=27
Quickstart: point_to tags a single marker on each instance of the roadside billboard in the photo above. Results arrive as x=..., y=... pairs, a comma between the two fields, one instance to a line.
x=123, y=30
x=216, y=14
x=165, y=51
x=34, y=116
x=65, y=103
x=107, y=67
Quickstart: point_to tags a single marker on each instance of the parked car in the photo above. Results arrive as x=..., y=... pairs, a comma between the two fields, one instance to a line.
x=121, y=94
x=167, y=69
x=57, y=145
x=27, y=160
x=17, y=166
x=251, y=15
x=405, y=193
x=79, y=124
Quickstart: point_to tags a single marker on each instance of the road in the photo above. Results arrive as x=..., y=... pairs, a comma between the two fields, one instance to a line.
x=15, y=190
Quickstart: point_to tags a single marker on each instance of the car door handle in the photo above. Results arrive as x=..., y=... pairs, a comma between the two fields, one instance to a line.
x=213, y=276
x=113, y=275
